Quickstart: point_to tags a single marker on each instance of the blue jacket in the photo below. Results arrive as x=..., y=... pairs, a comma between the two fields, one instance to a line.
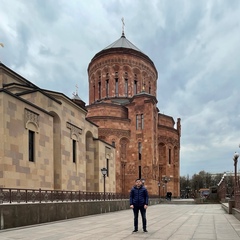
x=139, y=196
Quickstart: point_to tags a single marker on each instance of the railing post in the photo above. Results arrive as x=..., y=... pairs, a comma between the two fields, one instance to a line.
x=40, y=195
x=10, y=195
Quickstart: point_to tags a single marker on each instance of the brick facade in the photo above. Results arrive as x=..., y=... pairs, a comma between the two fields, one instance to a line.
x=123, y=103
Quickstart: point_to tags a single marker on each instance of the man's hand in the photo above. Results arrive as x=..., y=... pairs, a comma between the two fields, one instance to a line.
x=131, y=206
x=145, y=206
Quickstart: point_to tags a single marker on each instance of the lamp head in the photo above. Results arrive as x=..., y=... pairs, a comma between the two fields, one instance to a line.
x=235, y=156
x=104, y=171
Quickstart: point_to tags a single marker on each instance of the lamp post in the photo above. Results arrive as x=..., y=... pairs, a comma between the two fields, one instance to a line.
x=159, y=191
x=187, y=191
x=104, y=173
x=166, y=180
x=123, y=177
x=235, y=159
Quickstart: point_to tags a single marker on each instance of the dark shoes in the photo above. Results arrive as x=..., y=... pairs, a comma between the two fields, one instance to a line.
x=144, y=230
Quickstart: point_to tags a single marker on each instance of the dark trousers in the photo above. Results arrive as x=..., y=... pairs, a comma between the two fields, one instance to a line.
x=143, y=214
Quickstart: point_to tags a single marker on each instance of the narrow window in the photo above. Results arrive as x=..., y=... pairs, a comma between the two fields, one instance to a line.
x=142, y=121
x=31, y=138
x=74, y=150
x=107, y=165
x=113, y=144
x=94, y=97
x=135, y=87
x=99, y=90
x=169, y=156
x=137, y=122
x=116, y=85
x=144, y=87
x=126, y=84
x=126, y=87
x=107, y=85
x=139, y=151
x=149, y=88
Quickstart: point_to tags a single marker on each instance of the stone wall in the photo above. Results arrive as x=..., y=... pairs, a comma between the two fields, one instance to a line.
x=18, y=215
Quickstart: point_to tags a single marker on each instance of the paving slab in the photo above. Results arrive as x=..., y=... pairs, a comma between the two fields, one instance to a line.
x=164, y=221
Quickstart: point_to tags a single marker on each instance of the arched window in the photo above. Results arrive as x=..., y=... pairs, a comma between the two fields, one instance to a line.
x=135, y=84
x=107, y=85
x=116, y=84
x=99, y=88
x=126, y=84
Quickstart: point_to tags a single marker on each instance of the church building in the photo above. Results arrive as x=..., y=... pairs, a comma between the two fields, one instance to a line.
x=50, y=141
x=123, y=104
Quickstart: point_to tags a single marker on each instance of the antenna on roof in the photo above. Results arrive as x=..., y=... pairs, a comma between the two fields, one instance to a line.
x=123, y=24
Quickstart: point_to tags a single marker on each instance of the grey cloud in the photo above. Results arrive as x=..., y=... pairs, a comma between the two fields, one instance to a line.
x=193, y=44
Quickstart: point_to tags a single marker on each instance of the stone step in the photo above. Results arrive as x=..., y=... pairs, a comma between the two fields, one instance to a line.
x=178, y=201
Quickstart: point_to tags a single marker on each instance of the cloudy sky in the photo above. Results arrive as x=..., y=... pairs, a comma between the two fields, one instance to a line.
x=195, y=46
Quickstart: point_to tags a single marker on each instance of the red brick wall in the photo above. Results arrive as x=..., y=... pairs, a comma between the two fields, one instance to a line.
x=116, y=118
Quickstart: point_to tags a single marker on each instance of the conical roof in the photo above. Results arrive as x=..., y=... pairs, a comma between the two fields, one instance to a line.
x=122, y=42
x=122, y=45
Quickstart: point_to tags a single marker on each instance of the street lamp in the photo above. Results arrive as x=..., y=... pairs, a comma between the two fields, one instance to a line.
x=166, y=180
x=123, y=164
x=159, y=191
x=104, y=173
x=235, y=159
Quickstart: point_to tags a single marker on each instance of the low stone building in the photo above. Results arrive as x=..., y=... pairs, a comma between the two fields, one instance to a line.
x=46, y=140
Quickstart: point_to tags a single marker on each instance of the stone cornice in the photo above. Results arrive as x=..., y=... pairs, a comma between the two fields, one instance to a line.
x=121, y=61
x=167, y=140
x=115, y=132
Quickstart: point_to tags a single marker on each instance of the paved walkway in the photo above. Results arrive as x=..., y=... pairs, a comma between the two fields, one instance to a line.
x=165, y=222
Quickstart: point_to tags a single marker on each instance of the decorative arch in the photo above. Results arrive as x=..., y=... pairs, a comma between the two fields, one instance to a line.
x=126, y=68
x=90, y=162
x=31, y=120
x=32, y=126
x=124, y=142
x=116, y=68
x=162, y=153
x=57, y=150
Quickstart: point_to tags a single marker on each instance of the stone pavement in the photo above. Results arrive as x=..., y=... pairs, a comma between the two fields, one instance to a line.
x=165, y=222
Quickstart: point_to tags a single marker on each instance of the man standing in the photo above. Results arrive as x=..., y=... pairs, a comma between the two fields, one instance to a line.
x=139, y=201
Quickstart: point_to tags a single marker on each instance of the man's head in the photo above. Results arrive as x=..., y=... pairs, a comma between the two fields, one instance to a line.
x=138, y=183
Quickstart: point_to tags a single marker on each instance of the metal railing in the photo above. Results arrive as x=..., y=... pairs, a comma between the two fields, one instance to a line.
x=14, y=195
x=222, y=193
